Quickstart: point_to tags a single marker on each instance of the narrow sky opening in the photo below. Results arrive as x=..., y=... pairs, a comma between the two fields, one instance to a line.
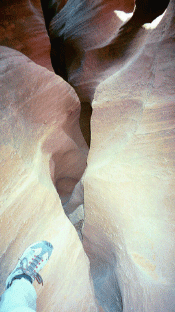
x=155, y=22
x=126, y=16
x=123, y=16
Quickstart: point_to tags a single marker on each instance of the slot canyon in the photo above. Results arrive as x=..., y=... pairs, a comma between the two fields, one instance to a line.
x=87, y=153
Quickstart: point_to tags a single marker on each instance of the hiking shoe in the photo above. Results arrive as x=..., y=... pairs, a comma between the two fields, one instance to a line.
x=31, y=262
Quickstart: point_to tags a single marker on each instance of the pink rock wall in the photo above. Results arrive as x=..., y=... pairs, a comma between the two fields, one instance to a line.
x=130, y=179
x=128, y=75
x=22, y=28
x=41, y=145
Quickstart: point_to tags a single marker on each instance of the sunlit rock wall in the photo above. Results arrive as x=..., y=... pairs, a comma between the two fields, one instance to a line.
x=41, y=146
x=130, y=179
x=128, y=186
x=81, y=28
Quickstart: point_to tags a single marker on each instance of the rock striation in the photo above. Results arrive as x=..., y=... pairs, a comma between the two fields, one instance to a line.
x=120, y=59
x=22, y=28
x=130, y=179
x=42, y=152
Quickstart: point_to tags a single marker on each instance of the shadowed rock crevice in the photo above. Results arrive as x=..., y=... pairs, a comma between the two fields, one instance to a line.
x=119, y=195
x=40, y=142
x=97, y=63
x=85, y=118
x=75, y=54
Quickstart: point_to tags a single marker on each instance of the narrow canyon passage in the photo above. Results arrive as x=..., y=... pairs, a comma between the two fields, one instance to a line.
x=107, y=84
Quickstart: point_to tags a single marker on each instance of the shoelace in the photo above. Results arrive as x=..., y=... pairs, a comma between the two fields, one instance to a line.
x=30, y=269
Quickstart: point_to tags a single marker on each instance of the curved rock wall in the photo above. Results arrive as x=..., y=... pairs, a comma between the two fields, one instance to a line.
x=126, y=69
x=130, y=179
x=41, y=145
x=22, y=28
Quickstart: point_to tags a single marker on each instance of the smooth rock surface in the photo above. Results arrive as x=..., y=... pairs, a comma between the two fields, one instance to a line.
x=129, y=183
x=22, y=28
x=41, y=145
x=130, y=179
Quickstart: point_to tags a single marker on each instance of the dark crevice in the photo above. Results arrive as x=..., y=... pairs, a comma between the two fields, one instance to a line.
x=57, y=55
x=85, y=118
x=66, y=51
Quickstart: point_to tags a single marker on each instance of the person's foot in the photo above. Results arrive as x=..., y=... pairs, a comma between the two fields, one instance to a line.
x=31, y=262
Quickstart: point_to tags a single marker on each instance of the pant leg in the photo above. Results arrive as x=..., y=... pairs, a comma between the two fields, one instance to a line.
x=20, y=297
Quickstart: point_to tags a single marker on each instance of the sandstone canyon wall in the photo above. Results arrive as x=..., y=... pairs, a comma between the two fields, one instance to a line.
x=124, y=68
x=130, y=179
x=23, y=29
x=42, y=149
